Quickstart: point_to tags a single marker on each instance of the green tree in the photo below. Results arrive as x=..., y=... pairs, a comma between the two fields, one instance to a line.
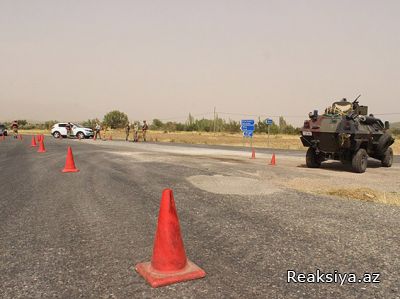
x=156, y=124
x=115, y=119
x=282, y=123
x=91, y=123
x=22, y=123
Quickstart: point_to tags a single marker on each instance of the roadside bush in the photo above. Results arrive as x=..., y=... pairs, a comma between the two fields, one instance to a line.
x=115, y=119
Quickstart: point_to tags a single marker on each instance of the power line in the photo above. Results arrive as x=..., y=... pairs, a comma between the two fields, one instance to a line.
x=186, y=116
x=260, y=115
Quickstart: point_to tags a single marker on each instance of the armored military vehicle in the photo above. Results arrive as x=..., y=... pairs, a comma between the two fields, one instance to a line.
x=346, y=132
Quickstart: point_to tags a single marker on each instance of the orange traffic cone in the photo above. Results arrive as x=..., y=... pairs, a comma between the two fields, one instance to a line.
x=41, y=146
x=273, y=160
x=33, y=143
x=169, y=263
x=253, y=153
x=69, y=162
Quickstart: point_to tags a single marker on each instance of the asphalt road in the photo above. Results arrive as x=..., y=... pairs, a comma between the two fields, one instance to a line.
x=79, y=235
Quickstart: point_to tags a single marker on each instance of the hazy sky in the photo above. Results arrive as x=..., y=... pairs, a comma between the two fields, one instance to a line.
x=73, y=60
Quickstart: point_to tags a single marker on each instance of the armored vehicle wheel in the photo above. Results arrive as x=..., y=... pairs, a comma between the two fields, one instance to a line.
x=360, y=161
x=387, y=158
x=312, y=159
x=384, y=142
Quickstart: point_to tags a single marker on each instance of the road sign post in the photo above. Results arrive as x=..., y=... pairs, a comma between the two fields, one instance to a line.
x=268, y=122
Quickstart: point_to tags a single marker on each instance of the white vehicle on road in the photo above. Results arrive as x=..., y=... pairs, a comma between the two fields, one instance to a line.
x=60, y=129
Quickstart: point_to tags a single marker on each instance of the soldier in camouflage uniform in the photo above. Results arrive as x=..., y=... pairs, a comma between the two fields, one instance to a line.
x=127, y=130
x=14, y=127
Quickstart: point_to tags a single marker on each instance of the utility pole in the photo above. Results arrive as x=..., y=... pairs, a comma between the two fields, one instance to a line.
x=214, y=118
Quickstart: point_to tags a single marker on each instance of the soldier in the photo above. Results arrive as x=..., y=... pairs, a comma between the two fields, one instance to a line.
x=136, y=132
x=14, y=127
x=127, y=130
x=97, y=130
x=145, y=127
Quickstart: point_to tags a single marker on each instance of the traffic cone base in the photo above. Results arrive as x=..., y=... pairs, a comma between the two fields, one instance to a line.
x=158, y=279
x=70, y=170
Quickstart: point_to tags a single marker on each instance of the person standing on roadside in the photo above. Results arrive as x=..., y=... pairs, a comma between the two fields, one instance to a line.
x=68, y=126
x=136, y=131
x=145, y=127
x=97, y=130
x=14, y=127
x=127, y=130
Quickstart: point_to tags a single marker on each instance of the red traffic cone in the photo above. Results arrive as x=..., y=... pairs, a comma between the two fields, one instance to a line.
x=41, y=147
x=110, y=138
x=69, y=162
x=273, y=160
x=3, y=137
x=33, y=143
x=169, y=263
x=38, y=138
x=253, y=153
x=94, y=137
x=20, y=137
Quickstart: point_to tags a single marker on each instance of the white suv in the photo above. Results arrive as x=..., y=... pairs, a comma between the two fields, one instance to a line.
x=60, y=129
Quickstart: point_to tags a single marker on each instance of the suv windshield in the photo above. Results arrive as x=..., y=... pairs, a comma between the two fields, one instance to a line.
x=78, y=125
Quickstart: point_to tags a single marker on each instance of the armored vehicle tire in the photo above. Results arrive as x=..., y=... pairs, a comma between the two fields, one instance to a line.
x=384, y=143
x=387, y=158
x=312, y=159
x=360, y=161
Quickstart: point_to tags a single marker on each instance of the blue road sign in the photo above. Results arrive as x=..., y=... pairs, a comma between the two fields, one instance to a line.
x=247, y=122
x=247, y=133
x=247, y=125
x=248, y=128
x=268, y=121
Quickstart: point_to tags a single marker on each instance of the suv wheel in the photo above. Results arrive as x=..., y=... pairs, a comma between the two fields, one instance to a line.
x=80, y=135
x=387, y=158
x=312, y=159
x=56, y=134
x=359, y=162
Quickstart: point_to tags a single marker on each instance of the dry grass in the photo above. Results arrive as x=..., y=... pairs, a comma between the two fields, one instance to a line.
x=366, y=194
x=362, y=190
x=260, y=140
